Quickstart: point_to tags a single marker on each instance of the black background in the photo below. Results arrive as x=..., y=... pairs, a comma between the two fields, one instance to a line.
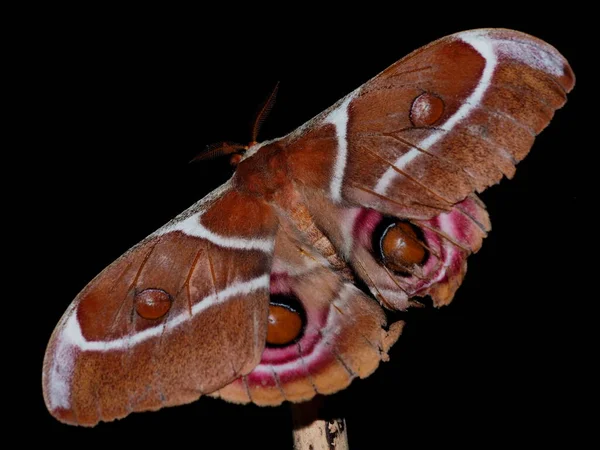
x=116, y=103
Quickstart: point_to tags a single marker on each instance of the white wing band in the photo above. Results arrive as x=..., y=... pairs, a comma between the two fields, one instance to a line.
x=484, y=45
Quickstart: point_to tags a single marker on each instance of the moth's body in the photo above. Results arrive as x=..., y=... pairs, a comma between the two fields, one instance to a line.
x=265, y=174
x=380, y=188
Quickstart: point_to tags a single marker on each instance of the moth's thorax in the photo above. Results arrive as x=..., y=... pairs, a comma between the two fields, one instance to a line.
x=264, y=173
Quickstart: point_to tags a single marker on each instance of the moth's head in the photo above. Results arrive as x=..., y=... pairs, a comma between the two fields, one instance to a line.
x=219, y=149
x=236, y=152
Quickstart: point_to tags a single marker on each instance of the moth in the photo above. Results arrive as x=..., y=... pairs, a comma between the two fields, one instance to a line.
x=272, y=288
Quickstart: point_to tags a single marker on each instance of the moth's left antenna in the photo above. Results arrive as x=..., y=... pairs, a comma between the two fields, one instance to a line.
x=236, y=150
x=263, y=112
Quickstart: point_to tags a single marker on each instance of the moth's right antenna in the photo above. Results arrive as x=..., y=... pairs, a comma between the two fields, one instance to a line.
x=236, y=150
x=262, y=114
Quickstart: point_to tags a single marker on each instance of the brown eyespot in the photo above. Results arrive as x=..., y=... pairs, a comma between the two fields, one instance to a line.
x=284, y=325
x=426, y=110
x=152, y=303
x=401, y=247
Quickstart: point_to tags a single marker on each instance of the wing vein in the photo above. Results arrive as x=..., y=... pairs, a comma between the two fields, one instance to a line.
x=383, y=197
x=426, y=152
x=212, y=271
x=441, y=234
x=406, y=72
x=278, y=382
x=131, y=286
x=402, y=172
x=308, y=374
x=381, y=298
x=186, y=285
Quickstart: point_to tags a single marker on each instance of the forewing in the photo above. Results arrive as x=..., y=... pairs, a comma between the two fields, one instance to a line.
x=206, y=275
x=447, y=120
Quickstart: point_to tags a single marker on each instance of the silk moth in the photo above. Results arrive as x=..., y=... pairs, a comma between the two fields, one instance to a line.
x=273, y=287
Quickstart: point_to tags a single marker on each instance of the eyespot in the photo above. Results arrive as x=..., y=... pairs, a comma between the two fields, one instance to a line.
x=152, y=303
x=400, y=246
x=426, y=109
x=286, y=321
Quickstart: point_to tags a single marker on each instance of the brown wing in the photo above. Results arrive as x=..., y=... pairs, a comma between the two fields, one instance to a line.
x=449, y=119
x=181, y=314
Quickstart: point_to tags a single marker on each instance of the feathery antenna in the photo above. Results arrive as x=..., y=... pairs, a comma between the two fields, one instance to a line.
x=263, y=112
x=236, y=150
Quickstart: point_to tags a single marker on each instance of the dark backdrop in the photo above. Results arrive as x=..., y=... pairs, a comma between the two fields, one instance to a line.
x=120, y=102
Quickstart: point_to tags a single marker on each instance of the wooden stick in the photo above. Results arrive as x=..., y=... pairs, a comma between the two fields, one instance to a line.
x=314, y=432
